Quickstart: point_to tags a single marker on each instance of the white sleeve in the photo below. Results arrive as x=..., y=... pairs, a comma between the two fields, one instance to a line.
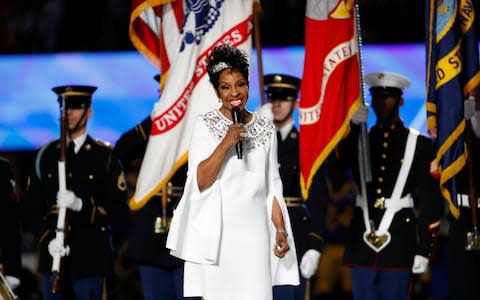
x=201, y=144
x=195, y=229
x=284, y=270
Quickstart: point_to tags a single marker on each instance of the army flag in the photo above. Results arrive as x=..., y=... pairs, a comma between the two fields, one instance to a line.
x=330, y=91
x=187, y=31
x=452, y=73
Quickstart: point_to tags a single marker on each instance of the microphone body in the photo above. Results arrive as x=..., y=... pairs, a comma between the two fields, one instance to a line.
x=236, y=119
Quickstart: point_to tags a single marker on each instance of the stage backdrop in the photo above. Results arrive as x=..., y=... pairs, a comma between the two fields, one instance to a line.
x=127, y=91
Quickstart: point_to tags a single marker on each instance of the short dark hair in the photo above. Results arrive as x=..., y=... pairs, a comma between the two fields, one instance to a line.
x=233, y=58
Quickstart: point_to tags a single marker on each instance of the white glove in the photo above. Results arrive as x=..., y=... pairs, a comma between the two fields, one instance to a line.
x=361, y=115
x=420, y=264
x=13, y=282
x=472, y=114
x=266, y=111
x=309, y=263
x=475, y=121
x=68, y=199
x=469, y=107
x=55, y=246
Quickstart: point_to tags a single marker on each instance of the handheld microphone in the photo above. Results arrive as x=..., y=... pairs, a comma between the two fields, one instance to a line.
x=236, y=119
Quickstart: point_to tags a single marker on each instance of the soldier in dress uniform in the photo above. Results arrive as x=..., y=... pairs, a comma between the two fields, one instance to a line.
x=161, y=274
x=306, y=217
x=95, y=199
x=393, y=231
x=10, y=231
x=464, y=262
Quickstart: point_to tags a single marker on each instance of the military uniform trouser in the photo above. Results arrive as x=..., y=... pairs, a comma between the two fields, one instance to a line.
x=162, y=284
x=290, y=292
x=371, y=284
x=85, y=289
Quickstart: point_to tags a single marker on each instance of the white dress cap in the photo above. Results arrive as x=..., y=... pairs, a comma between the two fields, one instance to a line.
x=387, y=79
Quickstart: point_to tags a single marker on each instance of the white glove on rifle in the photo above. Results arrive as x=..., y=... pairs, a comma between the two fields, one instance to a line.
x=420, y=264
x=361, y=115
x=12, y=281
x=68, y=199
x=309, y=263
x=266, y=111
x=55, y=246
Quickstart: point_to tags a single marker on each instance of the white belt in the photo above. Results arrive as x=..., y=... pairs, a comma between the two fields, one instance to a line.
x=398, y=204
x=404, y=202
x=462, y=200
x=392, y=207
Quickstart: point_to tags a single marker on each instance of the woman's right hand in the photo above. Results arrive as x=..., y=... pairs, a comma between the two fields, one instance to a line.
x=235, y=134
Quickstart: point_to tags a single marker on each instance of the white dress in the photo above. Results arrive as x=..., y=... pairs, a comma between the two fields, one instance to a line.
x=225, y=233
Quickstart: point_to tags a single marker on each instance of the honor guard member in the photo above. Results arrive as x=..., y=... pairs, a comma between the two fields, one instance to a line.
x=306, y=217
x=95, y=199
x=161, y=274
x=463, y=249
x=393, y=231
x=10, y=232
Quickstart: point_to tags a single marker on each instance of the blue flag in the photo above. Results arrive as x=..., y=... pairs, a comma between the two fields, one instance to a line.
x=452, y=73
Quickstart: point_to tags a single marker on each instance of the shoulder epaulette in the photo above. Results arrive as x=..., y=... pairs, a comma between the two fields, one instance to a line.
x=39, y=156
x=103, y=143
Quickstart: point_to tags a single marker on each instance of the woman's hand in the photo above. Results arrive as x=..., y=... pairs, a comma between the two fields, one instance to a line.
x=208, y=169
x=281, y=246
x=235, y=134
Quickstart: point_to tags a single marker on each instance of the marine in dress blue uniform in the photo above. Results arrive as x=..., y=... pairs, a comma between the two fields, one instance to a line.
x=161, y=274
x=381, y=263
x=96, y=181
x=306, y=217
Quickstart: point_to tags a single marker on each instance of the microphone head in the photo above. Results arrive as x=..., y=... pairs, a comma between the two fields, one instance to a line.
x=236, y=115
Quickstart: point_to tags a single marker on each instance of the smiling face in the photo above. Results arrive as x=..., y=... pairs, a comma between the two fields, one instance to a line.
x=232, y=91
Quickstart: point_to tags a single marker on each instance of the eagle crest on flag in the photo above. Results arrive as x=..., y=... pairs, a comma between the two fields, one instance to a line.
x=206, y=16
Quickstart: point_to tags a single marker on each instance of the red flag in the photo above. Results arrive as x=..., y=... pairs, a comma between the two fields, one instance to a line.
x=330, y=91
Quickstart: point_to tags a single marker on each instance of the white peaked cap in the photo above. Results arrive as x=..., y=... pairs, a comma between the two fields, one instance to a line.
x=387, y=79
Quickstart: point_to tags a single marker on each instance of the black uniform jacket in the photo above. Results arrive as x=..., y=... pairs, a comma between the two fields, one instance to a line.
x=148, y=236
x=306, y=217
x=413, y=230
x=148, y=233
x=95, y=176
x=10, y=236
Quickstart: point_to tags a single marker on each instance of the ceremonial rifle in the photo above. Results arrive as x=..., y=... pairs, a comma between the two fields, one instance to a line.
x=61, y=229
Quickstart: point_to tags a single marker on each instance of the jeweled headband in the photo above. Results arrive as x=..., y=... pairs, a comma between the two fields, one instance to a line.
x=220, y=67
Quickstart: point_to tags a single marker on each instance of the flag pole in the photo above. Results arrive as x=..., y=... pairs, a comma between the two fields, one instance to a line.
x=257, y=9
x=365, y=166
